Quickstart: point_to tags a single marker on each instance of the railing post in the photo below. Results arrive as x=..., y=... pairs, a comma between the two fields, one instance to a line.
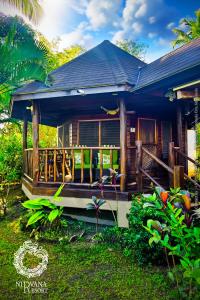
x=138, y=165
x=178, y=176
x=171, y=161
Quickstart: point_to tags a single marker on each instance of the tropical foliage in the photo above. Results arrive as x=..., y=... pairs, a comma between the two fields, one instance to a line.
x=10, y=153
x=42, y=211
x=32, y=9
x=23, y=58
x=178, y=236
x=96, y=205
x=134, y=48
x=191, y=30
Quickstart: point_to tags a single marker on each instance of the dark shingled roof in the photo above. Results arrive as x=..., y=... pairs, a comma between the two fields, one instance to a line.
x=168, y=65
x=105, y=64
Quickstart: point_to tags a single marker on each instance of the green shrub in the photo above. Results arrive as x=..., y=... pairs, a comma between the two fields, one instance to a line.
x=176, y=233
x=136, y=237
x=43, y=214
x=134, y=240
x=10, y=157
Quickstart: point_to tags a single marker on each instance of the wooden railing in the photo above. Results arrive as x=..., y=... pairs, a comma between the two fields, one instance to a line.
x=74, y=165
x=176, y=172
x=176, y=156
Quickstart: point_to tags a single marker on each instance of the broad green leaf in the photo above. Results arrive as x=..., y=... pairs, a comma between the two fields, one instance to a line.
x=31, y=206
x=57, y=194
x=46, y=202
x=178, y=212
x=101, y=202
x=187, y=274
x=90, y=206
x=184, y=263
x=53, y=215
x=171, y=276
x=35, y=217
x=147, y=204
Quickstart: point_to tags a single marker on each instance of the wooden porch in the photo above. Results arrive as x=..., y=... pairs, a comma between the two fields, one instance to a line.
x=142, y=150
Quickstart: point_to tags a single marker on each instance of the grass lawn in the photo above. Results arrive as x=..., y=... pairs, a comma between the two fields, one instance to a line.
x=79, y=270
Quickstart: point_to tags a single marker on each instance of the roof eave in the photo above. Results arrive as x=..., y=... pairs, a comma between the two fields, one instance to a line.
x=74, y=92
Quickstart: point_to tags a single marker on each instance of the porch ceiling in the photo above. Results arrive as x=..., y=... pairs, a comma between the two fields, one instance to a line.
x=55, y=111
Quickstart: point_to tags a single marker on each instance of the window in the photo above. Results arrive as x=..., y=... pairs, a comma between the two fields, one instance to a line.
x=110, y=133
x=89, y=133
x=98, y=133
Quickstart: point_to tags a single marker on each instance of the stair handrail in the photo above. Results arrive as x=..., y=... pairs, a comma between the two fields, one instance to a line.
x=159, y=161
x=177, y=149
x=151, y=178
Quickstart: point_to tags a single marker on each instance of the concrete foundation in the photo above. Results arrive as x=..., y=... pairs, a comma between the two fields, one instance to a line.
x=121, y=207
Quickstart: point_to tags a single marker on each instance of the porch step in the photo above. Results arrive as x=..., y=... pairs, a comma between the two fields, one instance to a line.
x=163, y=181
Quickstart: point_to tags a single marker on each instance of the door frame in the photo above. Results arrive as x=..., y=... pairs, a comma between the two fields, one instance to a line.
x=156, y=129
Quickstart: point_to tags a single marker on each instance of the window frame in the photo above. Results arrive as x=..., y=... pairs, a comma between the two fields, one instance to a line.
x=99, y=130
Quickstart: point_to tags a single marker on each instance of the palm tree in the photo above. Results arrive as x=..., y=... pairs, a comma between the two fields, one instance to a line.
x=192, y=30
x=22, y=60
x=32, y=9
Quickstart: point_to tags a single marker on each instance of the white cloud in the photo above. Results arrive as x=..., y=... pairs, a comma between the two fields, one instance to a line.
x=101, y=13
x=78, y=6
x=163, y=42
x=77, y=36
x=130, y=27
x=141, y=10
x=152, y=20
x=170, y=25
x=55, y=12
x=151, y=35
x=137, y=27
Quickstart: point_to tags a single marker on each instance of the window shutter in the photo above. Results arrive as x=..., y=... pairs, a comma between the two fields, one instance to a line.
x=110, y=133
x=89, y=134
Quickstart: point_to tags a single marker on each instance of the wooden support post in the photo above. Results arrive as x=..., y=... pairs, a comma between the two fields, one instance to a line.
x=138, y=165
x=178, y=176
x=179, y=127
x=91, y=163
x=123, y=146
x=25, y=161
x=25, y=130
x=82, y=165
x=171, y=161
x=35, y=126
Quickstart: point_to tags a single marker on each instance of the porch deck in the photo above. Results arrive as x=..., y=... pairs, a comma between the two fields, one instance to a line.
x=79, y=168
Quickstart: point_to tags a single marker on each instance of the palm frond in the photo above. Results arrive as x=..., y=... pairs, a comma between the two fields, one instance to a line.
x=31, y=9
x=192, y=30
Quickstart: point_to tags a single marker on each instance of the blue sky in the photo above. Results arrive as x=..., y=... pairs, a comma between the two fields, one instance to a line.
x=88, y=22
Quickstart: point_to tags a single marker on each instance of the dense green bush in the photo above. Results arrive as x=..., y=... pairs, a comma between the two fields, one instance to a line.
x=10, y=156
x=134, y=240
x=136, y=237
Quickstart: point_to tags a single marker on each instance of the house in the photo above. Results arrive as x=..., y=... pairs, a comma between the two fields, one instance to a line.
x=111, y=110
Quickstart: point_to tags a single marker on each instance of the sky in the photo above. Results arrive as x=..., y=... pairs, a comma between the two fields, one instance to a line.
x=89, y=22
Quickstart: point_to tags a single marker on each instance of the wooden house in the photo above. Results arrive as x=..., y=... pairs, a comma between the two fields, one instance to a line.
x=111, y=110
